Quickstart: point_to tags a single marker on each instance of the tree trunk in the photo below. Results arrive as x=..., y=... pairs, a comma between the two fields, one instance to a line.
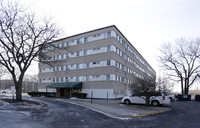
x=18, y=88
x=186, y=86
x=147, y=101
x=182, y=90
x=186, y=90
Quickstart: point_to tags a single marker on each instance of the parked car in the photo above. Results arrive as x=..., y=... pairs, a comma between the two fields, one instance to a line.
x=197, y=97
x=3, y=91
x=156, y=98
x=173, y=97
x=184, y=97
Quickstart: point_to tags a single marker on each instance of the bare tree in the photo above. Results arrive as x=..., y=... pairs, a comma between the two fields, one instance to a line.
x=31, y=78
x=182, y=61
x=164, y=85
x=145, y=85
x=22, y=37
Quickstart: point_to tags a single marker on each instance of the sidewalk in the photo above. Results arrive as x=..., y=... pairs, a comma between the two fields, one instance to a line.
x=115, y=109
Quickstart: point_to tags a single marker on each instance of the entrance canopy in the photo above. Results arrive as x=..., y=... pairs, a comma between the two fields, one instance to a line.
x=66, y=85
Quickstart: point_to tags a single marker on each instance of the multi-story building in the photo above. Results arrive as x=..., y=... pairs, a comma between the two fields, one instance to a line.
x=27, y=86
x=101, y=63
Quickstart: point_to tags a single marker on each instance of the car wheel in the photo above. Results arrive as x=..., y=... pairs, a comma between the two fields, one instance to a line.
x=127, y=101
x=155, y=103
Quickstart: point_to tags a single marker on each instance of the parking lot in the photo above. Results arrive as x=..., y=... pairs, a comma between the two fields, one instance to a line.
x=70, y=113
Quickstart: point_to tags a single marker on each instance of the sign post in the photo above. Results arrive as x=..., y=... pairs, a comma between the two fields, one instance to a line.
x=13, y=91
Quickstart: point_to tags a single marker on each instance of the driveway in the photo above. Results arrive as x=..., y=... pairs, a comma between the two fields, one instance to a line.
x=61, y=114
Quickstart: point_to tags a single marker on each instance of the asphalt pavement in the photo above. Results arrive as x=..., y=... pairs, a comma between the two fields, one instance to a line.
x=115, y=108
x=62, y=113
x=112, y=108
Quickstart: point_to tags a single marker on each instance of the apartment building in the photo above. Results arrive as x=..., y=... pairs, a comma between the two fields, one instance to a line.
x=101, y=63
x=27, y=86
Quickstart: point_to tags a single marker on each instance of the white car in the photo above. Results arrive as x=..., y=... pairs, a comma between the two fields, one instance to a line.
x=139, y=98
x=173, y=97
x=3, y=91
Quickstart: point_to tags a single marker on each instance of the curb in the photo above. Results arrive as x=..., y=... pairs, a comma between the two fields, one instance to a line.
x=41, y=104
x=117, y=115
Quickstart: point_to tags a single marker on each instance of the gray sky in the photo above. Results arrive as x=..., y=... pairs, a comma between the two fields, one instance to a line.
x=145, y=23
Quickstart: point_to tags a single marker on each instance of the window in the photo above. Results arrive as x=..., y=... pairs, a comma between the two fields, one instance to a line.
x=57, y=79
x=85, y=52
x=117, y=36
x=54, y=58
x=65, y=44
x=98, y=62
x=77, y=78
x=77, y=66
x=96, y=49
x=59, y=57
x=87, y=65
x=78, y=53
x=108, y=48
x=108, y=34
x=95, y=76
x=86, y=39
x=66, y=55
x=79, y=41
x=87, y=78
x=62, y=68
x=72, y=65
x=123, y=43
x=61, y=79
x=118, y=51
x=96, y=35
x=66, y=79
x=60, y=45
x=122, y=79
x=107, y=77
x=108, y=62
x=73, y=41
x=62, y=56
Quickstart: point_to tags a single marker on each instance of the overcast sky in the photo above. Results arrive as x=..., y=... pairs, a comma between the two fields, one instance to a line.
x=145, y=23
